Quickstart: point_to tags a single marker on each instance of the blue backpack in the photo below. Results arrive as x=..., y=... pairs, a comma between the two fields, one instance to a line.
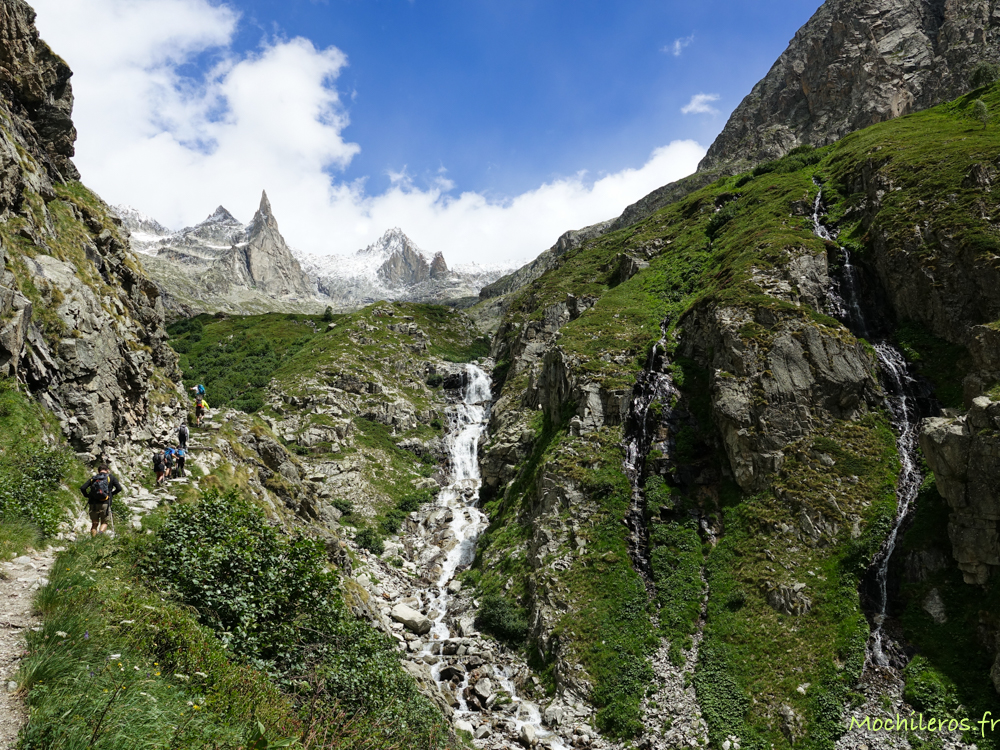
x=201, y=390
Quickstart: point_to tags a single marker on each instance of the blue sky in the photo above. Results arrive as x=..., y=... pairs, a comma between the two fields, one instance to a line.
x=508, y=93
x=494, y=124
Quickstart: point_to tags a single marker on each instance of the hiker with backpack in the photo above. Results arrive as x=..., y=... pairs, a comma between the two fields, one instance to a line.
x=168, y=461
x=182, y=435
x=181, y=455
x=159, y=466
x=99, y=490
x=200, y=405
x=199, y=390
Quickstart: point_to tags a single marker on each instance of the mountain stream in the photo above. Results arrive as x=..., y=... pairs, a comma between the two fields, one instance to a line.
x=903, y=393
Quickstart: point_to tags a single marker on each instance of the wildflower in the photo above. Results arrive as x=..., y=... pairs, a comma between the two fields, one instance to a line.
x=86, y=635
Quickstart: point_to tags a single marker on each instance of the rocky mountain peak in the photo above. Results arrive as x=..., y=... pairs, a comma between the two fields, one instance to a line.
x=853, y=64
x=264, y=218
x=220, y=216
x=142, y=226
x=439, y=269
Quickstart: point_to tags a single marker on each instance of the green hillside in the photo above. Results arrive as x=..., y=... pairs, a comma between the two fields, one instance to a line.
x=734, y=249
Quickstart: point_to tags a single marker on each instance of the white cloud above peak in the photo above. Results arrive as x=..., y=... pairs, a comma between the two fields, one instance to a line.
x=701, y=104
x=176, y=146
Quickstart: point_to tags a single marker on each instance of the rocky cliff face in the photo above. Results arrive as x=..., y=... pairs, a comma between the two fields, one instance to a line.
x=82, y=323
x=37, y=91
x=688, y=377
x=964, y=453
x=856, y=63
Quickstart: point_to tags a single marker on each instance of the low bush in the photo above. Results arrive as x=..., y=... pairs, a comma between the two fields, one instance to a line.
x=502, y=619
x=268, y=598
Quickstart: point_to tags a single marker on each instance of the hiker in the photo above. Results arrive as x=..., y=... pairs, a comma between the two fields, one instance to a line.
x=199, y=390
x=182, y=434
x=200, y=406
x=168, y=460
x=159, y=466
x=181, y=455
x=99, y=490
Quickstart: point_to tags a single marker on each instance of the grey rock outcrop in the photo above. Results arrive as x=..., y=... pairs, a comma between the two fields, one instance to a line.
x=769, y=392
x=964, y=453
x=853, y=64
x=38, y=92
x=405, y=267
x=82, y=325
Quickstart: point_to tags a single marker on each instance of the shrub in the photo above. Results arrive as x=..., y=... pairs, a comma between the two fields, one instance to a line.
x=984, y=74
x=269, y=599
x=370, y=540
x=346, y=507
x=502, y=619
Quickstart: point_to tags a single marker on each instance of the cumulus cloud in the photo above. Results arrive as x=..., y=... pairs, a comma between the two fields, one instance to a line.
x=678, y=46
x=701, y=104
x=176, y=144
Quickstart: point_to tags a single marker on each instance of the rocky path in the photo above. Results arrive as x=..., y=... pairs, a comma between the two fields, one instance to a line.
x=19, y=580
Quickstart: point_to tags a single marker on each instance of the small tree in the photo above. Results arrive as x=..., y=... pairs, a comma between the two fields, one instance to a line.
x=328, y=314
x=984, y=74
x=981, y=112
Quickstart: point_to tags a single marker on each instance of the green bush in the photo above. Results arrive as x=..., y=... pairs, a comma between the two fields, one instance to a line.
x=346, y=507
x=370, y=540
x=269, y=599
x=502, y=619
x=984, y=74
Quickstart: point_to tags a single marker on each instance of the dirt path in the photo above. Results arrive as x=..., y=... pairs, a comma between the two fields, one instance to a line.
x=19, y=580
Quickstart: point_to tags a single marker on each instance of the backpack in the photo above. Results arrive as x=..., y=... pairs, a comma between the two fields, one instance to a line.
x=183, y=432
x=201, y=389
x=199, y=404
x=157, y=462
x=100, y=488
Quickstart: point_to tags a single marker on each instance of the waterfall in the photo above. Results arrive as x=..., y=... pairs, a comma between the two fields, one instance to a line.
x=652, y=386
x=902, y=393
x=467, y=421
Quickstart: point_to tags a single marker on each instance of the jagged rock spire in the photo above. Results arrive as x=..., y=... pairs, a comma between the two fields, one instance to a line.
x=264, y=218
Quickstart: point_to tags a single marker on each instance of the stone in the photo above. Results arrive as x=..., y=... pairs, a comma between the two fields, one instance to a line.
x=482, y=732
x=483, y=688
x=933, y=605
x=527, y=735
x=452, y=672
x=454, y=586
x=461, y=725
x=553, y=715
x=411, y=619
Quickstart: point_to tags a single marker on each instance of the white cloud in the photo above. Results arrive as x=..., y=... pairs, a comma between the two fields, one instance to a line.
x=701, y=104
x=678, y=46
x=175, y=146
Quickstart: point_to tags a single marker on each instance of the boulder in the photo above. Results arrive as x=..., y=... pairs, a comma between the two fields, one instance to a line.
x=411, y=619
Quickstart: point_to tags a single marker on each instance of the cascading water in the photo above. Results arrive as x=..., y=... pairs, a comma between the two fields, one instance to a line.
x=902, y=396
x=467, y=421
x=653, y=386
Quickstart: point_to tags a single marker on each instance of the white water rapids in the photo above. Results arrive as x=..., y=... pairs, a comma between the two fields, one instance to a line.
x=467, y=421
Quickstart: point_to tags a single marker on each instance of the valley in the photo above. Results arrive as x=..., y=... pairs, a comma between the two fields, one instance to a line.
x=722, y=472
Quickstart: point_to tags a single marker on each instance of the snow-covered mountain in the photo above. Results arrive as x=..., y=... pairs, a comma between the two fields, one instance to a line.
x=393, y=267
x=222, y=264
x=216, y=254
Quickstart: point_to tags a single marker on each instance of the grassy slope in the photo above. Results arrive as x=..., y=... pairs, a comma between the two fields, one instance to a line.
x=703, y=256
